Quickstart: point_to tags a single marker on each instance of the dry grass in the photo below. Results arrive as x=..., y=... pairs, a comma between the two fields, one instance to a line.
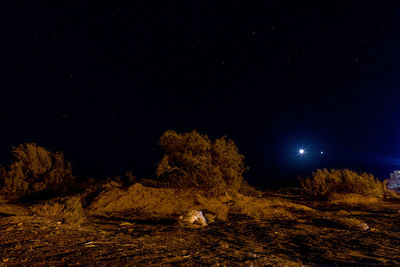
x=68, y=210
x=49, y=211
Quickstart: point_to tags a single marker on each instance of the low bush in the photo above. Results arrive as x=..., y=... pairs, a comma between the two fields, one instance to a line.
x=68, y=211
x=50, y=211
x=35, y=170
x=193, y=160
x=324, y=183
x=73, y=211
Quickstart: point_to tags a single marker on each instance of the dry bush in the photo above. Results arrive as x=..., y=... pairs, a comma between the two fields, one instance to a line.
x=50, y=211
x=324, y=183
x=73, y=211
x=193, y=160
x=68, y=210
x=36, y=170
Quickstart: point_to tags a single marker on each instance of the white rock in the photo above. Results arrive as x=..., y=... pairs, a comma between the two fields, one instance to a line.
x=194, y=217
x=364, y=226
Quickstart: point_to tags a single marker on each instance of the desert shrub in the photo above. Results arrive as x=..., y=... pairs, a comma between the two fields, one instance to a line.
x=324, y=183
x=73, y=211
x=193, y=160
x=68, y=210
x=36, y=170
x=50, y=211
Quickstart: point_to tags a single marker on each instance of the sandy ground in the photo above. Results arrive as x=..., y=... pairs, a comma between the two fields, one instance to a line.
x=129, y=238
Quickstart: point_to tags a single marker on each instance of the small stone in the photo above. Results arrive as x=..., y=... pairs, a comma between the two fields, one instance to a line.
x=194, y=217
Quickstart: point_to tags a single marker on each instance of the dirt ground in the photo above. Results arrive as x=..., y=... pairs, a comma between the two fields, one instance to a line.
x=130, y=238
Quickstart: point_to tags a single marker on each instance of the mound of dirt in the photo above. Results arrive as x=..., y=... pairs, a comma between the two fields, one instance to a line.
x=158, y=202
x=168, y=202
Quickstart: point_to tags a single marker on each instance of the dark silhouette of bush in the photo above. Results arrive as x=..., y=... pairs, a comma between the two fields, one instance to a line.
x=324, y=183
x=193, y=160
x=36, y=170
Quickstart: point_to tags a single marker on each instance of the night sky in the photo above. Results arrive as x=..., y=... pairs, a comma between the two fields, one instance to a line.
x=103, y=82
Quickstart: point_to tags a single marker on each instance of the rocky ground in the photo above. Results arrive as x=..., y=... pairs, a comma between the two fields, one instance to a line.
x=130, y=238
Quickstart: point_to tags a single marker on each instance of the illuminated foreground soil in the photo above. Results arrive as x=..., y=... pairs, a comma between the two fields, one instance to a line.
x=130, y=239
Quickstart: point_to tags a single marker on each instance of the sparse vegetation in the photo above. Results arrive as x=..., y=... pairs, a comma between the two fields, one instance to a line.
x=50, y=211
x=35, y=170
x=196, y=174
x=193, y=160
x=68, y=210
x=73, y=212
x=324, y=183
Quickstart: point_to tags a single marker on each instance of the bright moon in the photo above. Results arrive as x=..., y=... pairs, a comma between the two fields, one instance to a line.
x=301, y=151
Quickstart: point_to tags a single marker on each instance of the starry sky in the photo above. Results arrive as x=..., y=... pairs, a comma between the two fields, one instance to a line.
x=102, y=82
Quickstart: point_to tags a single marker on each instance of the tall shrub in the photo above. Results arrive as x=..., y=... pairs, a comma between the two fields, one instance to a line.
x=36, y=170
x=193, y=160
